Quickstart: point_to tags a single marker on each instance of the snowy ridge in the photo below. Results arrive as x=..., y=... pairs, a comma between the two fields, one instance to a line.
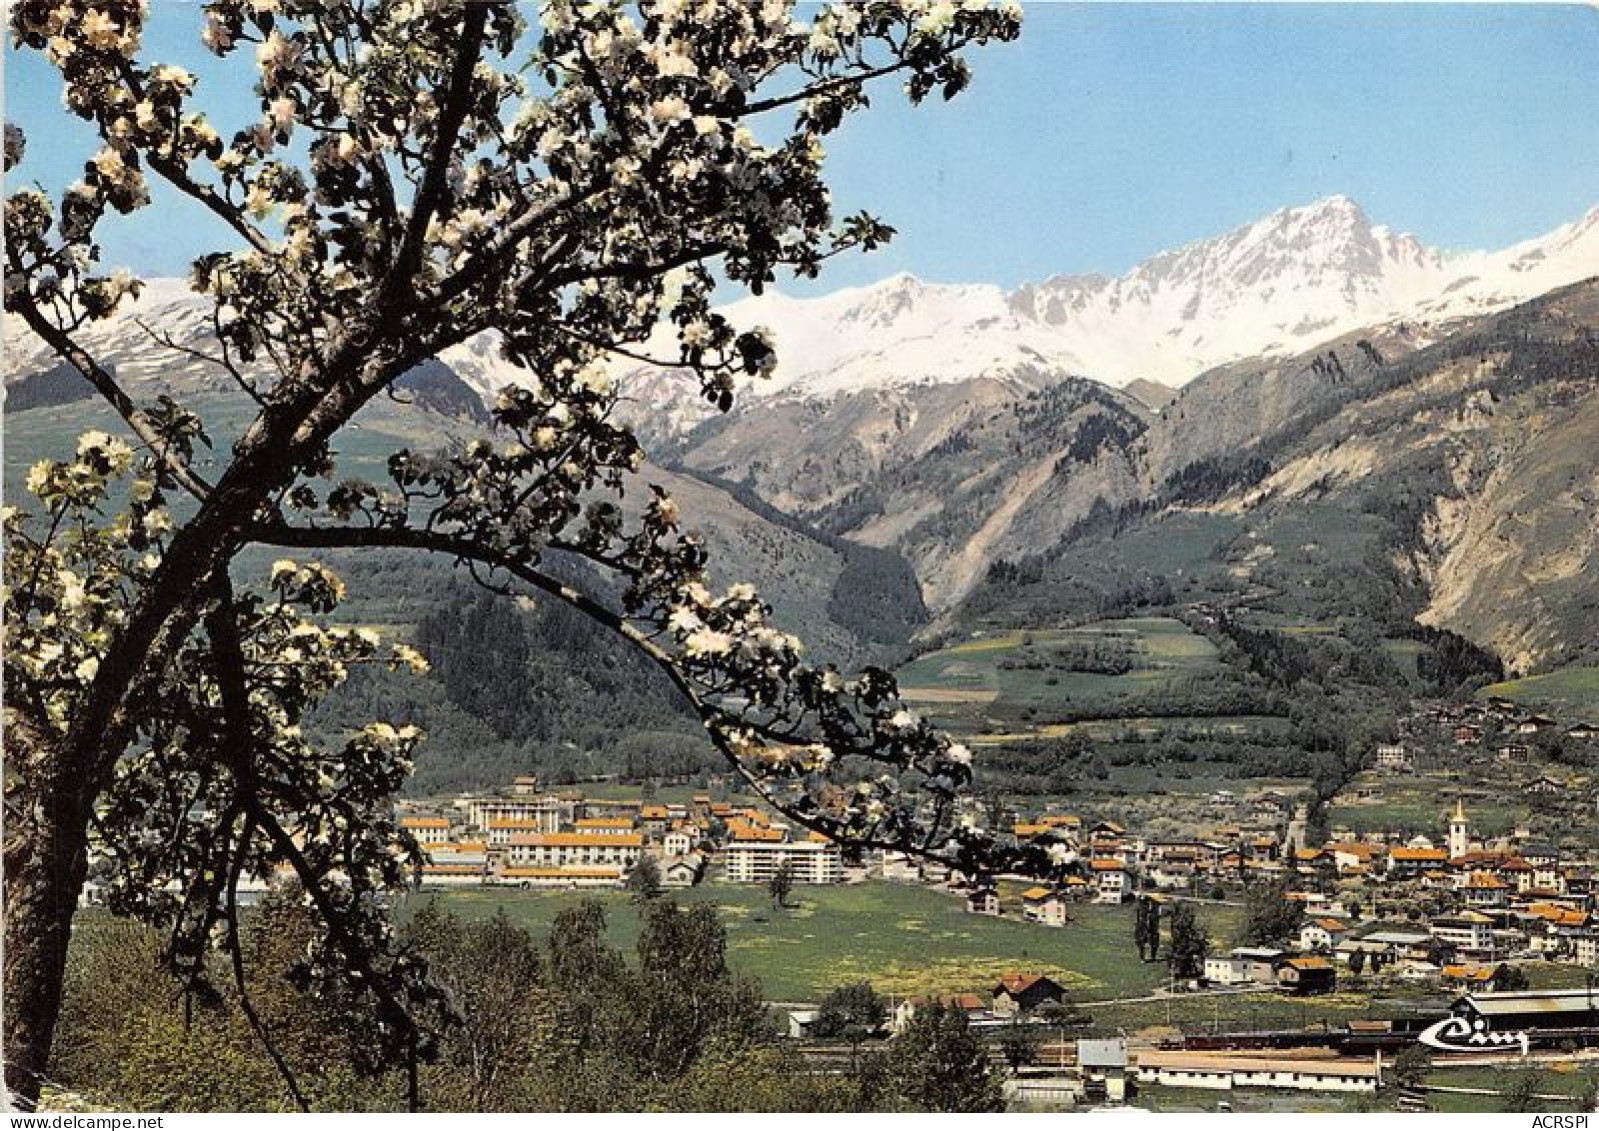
x=1275, y=287
x=1278, y=286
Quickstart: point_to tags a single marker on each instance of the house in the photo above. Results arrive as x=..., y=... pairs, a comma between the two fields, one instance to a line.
x=678, y=842
x=1512, y=753
x=1467, y=734
x=1102, y=1067
x=1307, y=975
x=1111, y=880
x=1546, y=786
x=1322, y=934
x=1469, y=931
x=1392, y=757
x=1466, y=976
x=524, y=785
x=1350, y=855
x=1023, y=993
x=1388, y=944
x=1044, y=905
x=973, y=1005
x=1413, y=861
x=1484, y=889
x=808, y=861
x=1226, y=1071
x=1535, y=724
x=1583, y=731
x=983, y=901
x=1243, y=965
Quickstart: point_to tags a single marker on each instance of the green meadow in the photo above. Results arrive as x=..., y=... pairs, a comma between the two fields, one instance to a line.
x=1572, y=691
x=903, y=938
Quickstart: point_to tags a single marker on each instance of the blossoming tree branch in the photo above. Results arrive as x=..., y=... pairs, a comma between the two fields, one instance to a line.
x=420, y=172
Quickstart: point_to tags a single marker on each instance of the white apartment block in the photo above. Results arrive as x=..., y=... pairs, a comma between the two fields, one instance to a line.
x=809, y=861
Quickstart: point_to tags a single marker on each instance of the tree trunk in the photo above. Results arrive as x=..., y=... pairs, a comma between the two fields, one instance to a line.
x=46, y=859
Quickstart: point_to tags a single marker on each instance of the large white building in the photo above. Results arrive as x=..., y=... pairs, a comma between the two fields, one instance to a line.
x=809, y=861
x=574, y=850
x=548, y=814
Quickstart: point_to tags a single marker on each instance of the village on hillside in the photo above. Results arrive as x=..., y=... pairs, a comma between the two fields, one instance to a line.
x=1446, y=906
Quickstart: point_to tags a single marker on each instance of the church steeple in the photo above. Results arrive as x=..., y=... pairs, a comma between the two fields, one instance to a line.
x=1458, y=839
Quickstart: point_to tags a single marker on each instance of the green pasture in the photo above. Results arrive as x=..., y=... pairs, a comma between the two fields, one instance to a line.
x=903, y=938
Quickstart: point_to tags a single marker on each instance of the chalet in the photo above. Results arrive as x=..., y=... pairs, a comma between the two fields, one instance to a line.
x=1222, y=1071
x=524, y=785
x=1546, y=786
x=1467, y=734
x=983, y=901
x=1583, y=731
x=1534, y=724
x=1513, y=753
x=1022, y=993
x=1311, y=974
x=1044, y=905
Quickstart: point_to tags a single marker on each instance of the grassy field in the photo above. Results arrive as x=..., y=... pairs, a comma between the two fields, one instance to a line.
x=1377, y=802
x=1023, y=684
x=903, y=938
x=1572, y=691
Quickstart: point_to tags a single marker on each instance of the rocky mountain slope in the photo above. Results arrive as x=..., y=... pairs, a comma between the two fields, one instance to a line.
x=1265, y=408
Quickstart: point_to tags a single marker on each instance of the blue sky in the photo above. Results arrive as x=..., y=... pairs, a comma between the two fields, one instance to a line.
x=1112, y=131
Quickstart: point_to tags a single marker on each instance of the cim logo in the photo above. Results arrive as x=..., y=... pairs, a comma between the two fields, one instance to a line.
x=1456, y=1034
